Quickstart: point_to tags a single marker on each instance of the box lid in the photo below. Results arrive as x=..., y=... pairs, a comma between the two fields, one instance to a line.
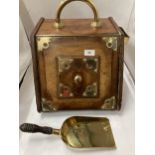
x=78, y=27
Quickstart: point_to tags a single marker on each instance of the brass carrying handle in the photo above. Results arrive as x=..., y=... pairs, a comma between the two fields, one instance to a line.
x=58, y=24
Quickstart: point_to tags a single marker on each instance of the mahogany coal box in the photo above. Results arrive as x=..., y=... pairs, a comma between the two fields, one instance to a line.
x=78, y=63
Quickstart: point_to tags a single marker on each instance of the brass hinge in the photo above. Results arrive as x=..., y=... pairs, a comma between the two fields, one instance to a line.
x=109, y=103
x=47, y=105
x=111, y=42
x=43, y=43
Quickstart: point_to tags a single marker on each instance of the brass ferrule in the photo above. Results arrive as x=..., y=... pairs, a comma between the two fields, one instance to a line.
x=56, y=131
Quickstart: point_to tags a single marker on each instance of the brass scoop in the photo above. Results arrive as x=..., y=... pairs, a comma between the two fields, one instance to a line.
x=79, y=132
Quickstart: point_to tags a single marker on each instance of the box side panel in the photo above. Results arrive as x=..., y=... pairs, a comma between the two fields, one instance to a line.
x=35, y=64
x=120, y=75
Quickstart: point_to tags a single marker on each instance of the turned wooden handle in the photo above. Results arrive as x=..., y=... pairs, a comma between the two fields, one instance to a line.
x=58, y=23
x=33, y=128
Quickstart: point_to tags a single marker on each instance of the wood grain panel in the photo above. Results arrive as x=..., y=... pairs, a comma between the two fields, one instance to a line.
x=71, y=41
x=75, y=46
x=76, y=27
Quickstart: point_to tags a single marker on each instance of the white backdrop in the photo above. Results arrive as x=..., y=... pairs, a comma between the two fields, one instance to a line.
x=25, y=52
x=122, y=121
x=121, y=10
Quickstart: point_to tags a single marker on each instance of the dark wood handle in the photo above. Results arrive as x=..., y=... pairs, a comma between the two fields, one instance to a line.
x=33, y=128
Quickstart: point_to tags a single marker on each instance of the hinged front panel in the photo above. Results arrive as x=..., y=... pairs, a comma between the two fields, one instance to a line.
x=78, y=72
x=78, y=77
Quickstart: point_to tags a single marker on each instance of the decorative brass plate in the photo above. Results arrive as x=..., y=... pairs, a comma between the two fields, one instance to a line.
x=111, y=42
x=43, y=43
x=109, y=103
x=78, y=77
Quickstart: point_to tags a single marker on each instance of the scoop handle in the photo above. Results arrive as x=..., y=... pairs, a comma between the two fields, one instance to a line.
x=33, y=128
